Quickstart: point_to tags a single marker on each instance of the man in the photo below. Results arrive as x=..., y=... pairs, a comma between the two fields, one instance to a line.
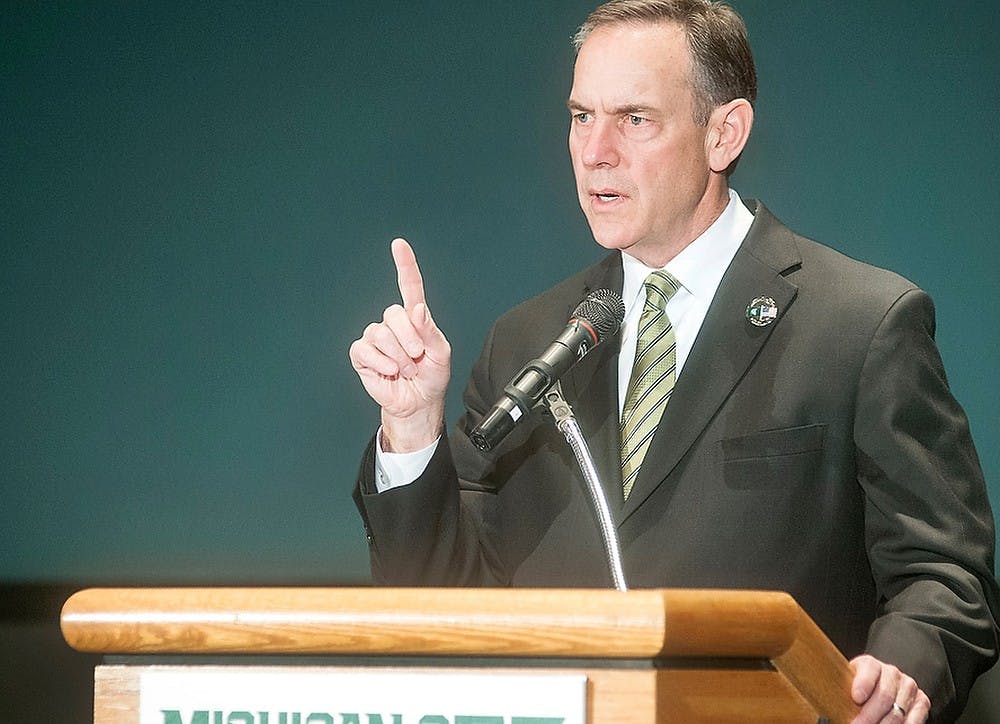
x=799, y=434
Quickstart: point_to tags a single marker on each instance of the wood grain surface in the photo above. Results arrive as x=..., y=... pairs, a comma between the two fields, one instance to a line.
x=427, y=621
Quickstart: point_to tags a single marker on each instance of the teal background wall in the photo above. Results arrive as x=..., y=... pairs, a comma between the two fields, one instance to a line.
x=196, y=201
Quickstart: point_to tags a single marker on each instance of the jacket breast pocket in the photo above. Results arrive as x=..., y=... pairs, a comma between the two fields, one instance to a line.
x=773, y=458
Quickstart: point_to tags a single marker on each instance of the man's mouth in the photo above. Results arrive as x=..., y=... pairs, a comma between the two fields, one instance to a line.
x=606, y=195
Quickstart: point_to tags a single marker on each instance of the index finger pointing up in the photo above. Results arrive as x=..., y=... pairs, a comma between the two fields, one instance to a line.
x=411, y=284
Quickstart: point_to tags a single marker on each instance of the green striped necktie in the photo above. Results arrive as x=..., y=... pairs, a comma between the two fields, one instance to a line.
x=653, y=375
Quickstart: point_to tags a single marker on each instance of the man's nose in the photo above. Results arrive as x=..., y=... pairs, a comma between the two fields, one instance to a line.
x=601, y=148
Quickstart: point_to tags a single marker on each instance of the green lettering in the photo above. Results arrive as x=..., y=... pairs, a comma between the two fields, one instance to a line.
x=318, y=718
x=173, y=716
x=466, y=719
x=536, y=720
x=434, y=719
x=240, y=717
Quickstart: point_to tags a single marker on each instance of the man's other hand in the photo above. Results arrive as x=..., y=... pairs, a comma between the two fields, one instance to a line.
x=886, y=695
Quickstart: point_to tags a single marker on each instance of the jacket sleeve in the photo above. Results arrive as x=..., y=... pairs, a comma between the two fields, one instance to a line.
x=929, y=527
x=430, y=532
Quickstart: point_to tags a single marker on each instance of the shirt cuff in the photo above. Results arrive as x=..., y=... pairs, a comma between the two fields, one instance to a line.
x=394, y=470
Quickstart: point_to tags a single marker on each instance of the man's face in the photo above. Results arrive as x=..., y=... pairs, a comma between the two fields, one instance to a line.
x=640, y=160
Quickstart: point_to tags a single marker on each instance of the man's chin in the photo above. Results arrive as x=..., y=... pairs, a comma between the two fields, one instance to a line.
x=612, y=241
x=635, y=248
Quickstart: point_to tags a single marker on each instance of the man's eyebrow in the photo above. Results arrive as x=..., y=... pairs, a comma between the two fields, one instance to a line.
x=631, y=109
x=626, y=110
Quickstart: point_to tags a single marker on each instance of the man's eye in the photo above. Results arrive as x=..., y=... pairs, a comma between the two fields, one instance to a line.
x=636, y=120
x=581, y=117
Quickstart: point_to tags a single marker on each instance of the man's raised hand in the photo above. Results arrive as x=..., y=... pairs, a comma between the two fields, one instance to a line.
x=404, y=362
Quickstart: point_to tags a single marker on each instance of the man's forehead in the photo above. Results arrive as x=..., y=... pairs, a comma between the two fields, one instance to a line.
x=642, y=47
x=630, y=64
x=633, y=33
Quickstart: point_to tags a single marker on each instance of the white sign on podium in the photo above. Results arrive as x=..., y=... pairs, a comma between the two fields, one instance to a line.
x=289, y=695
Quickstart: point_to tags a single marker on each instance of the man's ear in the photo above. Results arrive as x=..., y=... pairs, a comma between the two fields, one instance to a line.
x=728, y=131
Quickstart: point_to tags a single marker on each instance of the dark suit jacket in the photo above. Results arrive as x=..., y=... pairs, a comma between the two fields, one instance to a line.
x=822, y=455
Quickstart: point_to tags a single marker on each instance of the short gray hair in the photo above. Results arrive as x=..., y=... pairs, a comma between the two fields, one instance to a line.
x=722, y=66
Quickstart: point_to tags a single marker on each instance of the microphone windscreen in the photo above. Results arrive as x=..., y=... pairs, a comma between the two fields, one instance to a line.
x=604, y=310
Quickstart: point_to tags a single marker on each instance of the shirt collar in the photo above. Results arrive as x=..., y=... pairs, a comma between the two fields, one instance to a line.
x=700, y=266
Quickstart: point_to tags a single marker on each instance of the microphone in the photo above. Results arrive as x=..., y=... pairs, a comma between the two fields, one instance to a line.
x=596, y=318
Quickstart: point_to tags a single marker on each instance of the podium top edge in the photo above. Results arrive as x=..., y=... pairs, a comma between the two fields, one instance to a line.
x=641, y=623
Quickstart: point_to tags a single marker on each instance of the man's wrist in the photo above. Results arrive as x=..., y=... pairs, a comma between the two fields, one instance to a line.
x=412, y=433
x=394, y=470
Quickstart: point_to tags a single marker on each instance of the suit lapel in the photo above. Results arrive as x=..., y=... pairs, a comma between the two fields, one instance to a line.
x=591, y=388
x=723, y=350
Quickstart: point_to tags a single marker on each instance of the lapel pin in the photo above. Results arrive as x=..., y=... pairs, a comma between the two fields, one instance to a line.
x=762, y=311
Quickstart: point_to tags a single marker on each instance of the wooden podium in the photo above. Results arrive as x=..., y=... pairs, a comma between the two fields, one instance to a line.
x=649, y=656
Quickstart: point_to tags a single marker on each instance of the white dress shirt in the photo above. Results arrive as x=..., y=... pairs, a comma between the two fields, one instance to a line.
x=699, y=269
